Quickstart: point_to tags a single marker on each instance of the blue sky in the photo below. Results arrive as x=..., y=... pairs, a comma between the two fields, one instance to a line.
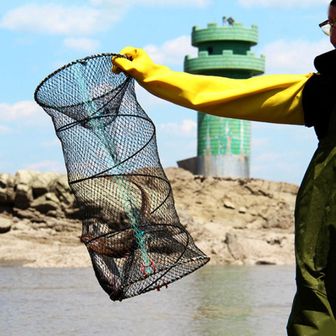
x=36, y=37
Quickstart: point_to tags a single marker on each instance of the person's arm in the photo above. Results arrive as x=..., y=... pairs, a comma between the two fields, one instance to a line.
x=273, y=98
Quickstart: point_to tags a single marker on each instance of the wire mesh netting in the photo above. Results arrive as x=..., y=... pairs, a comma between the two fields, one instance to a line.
x=130, y=226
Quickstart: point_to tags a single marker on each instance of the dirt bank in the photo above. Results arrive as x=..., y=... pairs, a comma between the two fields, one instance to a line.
x=234, y=221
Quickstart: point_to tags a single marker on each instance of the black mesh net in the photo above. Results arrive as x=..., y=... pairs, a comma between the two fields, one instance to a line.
x=130, y=225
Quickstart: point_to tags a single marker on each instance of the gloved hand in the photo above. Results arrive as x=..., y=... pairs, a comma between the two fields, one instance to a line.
x=137, y=63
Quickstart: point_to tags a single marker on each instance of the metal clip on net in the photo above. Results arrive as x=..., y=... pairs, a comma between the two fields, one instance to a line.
x=130, y=226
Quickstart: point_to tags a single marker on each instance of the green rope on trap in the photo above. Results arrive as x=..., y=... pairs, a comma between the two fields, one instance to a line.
x=140, y=237
x=132, y=211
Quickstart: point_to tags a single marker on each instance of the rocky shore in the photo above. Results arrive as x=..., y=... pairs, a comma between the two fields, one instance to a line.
x=234, y=221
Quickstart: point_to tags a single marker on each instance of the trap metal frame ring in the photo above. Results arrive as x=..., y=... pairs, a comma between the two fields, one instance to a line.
x=129, y=222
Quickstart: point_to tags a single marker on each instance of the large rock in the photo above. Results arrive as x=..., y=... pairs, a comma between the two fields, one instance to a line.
x=4, y=180
x=283, y=219
x=40, y=185
x=5, y=224
x=23, y=190
x=6, y=189
x=23, y=196
x=10, y=196
x=63, y=191
x=234, y=247
x=30, y=214
x=3, y=196
x=46, y=203
x=23, y=177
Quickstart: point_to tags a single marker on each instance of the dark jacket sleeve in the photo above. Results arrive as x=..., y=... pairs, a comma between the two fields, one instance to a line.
x=319, y=94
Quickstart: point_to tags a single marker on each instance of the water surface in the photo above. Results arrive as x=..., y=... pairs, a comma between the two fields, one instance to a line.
x=216, y=300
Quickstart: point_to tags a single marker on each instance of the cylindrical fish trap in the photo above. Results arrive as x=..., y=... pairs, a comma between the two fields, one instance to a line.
x=130, y=226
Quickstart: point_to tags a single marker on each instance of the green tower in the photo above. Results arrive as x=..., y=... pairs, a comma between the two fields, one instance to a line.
x=223, y=147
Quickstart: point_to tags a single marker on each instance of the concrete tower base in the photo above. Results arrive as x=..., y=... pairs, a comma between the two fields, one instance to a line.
x=236, y=166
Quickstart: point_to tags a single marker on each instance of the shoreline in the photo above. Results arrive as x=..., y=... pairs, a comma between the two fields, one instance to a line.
x=233, y=221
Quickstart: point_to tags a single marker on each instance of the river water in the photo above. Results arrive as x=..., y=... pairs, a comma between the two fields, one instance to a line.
x=216, y=300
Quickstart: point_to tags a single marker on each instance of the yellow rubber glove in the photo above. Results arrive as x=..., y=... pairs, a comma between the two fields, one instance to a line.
x=272, y=98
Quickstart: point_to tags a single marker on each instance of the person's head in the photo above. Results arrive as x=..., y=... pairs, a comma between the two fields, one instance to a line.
x=329, y=26
x=332, y=22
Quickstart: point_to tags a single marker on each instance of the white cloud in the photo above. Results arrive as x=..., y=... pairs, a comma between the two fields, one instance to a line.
x=94, y=16
x=23, y=110
x=166, y=3
x=50, y=166
x=172, y=51
x=283, y=3
x=194, y=3
x=4, y=129
x=186, y=128
x=281, y=152
x=110, y=3
x=148, y=100
x=56, y=19
x=293, y=56
x=82, y=44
